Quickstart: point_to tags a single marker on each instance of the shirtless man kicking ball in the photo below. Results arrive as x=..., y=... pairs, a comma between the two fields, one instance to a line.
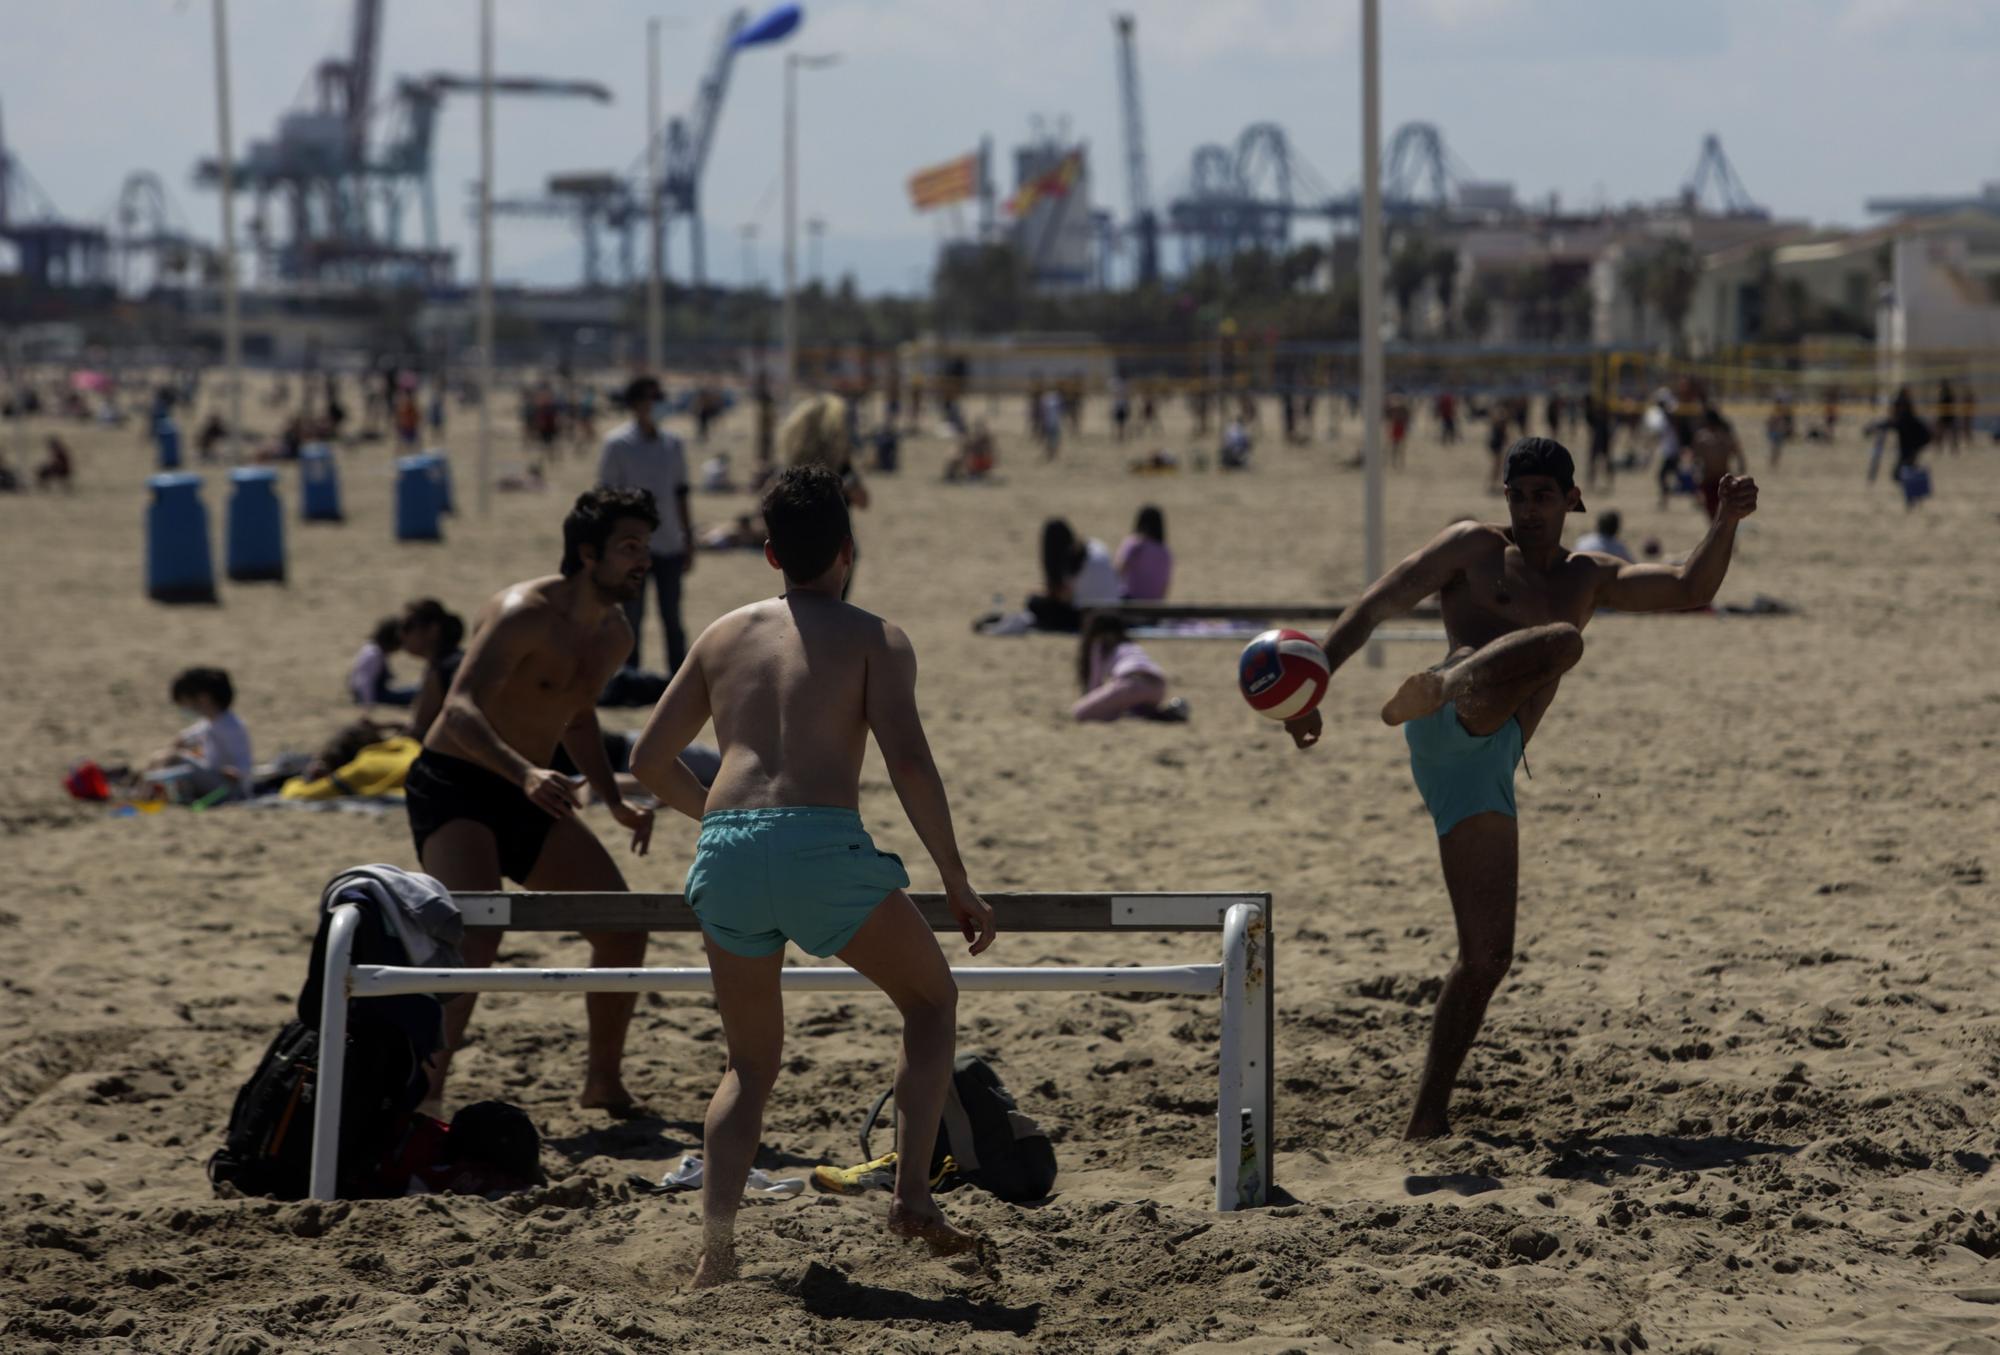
x=482, y=800
x=795, y=686
x=1515, y=604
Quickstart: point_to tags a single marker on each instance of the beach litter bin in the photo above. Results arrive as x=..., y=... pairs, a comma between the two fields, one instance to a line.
x=167, y=439
x=441, y=464
x=256, y=550
x=319, y=484
x=178, y=565
x=417, y=500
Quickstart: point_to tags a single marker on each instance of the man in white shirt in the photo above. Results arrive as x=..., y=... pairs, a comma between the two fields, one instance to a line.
x=1604, y=541
x=639, y=454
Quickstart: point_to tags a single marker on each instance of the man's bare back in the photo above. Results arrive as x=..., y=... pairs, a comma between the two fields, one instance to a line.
x=788, y=691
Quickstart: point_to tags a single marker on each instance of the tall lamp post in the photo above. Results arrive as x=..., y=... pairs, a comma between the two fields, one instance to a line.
x=1371, y=292
x=232, y=321
x=790, y=323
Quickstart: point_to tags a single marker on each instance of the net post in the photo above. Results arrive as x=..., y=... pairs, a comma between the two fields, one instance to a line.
x=332, y=1071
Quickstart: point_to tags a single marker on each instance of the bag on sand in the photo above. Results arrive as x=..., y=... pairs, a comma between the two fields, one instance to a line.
x=991, y=1144
x=267, y=1149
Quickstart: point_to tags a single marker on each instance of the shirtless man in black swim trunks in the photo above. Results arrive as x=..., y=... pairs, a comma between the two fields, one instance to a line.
x=483, y=802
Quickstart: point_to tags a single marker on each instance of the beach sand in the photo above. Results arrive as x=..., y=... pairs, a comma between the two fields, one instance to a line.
x=1737, y=1094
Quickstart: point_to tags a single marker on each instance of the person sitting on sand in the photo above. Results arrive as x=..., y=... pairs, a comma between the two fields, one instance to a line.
x=745, y=533
x=483, y=800
x=1604, y=540
x=435, y=634
x=1235, y=453
x=975, y=457
x=1076, y=576
x=795, y=685
x=1118, y=678
x=59, y=470
x=1145, y=566
x=1515, y=605
x=369, y=680
x=213, y=753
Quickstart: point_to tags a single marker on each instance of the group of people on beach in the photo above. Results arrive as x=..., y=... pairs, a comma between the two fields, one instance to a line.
x=795, y=685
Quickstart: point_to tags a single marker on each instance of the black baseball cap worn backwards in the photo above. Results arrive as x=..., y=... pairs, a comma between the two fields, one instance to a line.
x=1542, y=456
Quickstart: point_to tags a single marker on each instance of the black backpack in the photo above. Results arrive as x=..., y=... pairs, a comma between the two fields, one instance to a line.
x=267, y=1149
x=991, y=1144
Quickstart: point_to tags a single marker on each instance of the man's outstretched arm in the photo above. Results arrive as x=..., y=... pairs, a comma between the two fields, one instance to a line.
x=1693, y=582
x=1402, y=588
x=1399, y=591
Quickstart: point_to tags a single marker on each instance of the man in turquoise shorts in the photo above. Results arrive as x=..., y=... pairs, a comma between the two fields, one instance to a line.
x=795, y=686
x=1515, y=604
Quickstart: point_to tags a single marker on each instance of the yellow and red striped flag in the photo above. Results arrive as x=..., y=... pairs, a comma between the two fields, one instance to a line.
x=940, y=185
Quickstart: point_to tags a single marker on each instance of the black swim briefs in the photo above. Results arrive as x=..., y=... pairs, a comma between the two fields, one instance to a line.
x=441, y=789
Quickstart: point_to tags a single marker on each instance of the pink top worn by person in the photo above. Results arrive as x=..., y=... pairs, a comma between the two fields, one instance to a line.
x=1145, y=565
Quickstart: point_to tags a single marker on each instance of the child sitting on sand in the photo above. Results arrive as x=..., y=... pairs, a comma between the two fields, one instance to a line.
x=1118, y=678
x=213, y=753
x=369, y=680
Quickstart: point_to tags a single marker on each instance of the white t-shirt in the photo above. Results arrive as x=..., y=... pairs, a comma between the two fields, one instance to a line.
x=364, y=675
x=658, y=463
x=1097, y=582
x=220, y=743
x=1604, y=545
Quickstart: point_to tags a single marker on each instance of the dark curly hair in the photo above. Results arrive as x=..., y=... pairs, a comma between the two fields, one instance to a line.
x=594, y=515
x=203, y=681
x=805, y=516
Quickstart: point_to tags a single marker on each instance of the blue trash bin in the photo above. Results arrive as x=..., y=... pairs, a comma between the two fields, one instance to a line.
x=441, y=465
x=417, y=500
x=256, y=550
x=167, y=438
x=319, y=484
x=178, y=565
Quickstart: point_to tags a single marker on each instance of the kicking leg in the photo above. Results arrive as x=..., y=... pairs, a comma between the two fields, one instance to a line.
x=463, y=856
x=752, y=1007
x=1490, y=684
x=573, y=859
x=896, y=951
x=1481, y=864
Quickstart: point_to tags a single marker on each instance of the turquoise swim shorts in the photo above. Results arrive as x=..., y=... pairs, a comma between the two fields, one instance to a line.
x=806, y=873
x=1461, y=774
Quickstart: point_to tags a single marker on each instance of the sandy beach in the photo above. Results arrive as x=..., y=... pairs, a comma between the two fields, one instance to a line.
x=1738, y=1093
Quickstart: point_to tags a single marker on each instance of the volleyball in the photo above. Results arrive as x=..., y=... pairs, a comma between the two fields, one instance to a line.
x=1283, y=674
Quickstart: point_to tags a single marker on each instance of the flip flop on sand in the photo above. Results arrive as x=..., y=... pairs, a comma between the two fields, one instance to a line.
x=687, y=1174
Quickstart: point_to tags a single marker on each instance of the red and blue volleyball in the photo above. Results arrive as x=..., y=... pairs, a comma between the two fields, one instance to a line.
x=1283, y=674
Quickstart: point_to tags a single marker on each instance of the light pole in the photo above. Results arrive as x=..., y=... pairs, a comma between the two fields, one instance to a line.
x=748, y=232
x=655, y=317
x=1371, y=293
x=232, y=321
x=485, y=257
x=790, y=322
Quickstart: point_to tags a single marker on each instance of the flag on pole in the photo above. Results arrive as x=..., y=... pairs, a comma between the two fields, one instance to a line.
x=778, y=22
x=1056, y=183
x=940, y=185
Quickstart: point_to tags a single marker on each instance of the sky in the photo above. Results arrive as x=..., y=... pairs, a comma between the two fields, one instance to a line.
x=1819, y=103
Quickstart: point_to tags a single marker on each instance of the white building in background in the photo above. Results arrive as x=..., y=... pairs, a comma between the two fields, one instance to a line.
x=1943, y=288
x=1053, y=235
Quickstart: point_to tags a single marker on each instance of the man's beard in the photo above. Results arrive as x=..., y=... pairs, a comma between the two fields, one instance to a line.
x=622, y=588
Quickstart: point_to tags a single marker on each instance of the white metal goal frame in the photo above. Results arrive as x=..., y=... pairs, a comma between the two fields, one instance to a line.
x=1243, y=980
